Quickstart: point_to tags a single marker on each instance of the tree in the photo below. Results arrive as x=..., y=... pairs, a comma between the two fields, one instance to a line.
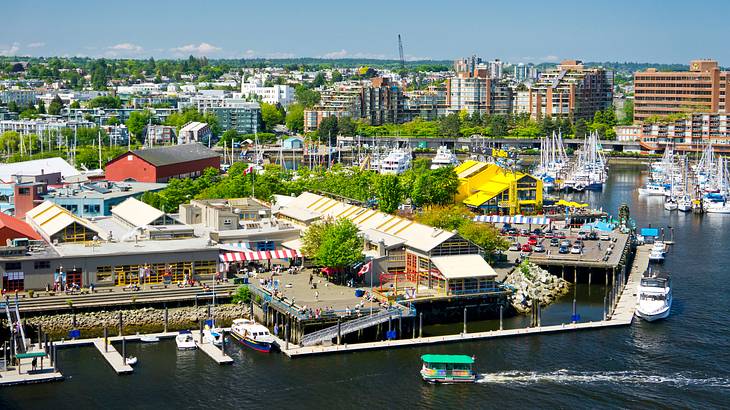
x=137, y=122
x=113, y=120
x=228, y=137
x=581, y=129
x=347, y=127
x=328, y=129
x=75, y=104
x=271, y=115
x=41, y=107
x=56, y=105
x=308, y=98
x=336, y=76
x=295, y=118
x=628, y=112
x=486, y=236
x=334, y=244
x=13, y=107
x=242, y=295
x=449, y=125
x=448, y=217
x=9, y=141
x=390, y=193
x=319, y=80
x=105, y=101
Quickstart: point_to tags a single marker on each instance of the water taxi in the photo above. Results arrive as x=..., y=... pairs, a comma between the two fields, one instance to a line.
x=446, y=368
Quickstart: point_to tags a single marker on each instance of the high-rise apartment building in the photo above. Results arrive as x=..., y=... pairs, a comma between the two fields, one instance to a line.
x=478, y=90
x=701, y=89
x=571, y=90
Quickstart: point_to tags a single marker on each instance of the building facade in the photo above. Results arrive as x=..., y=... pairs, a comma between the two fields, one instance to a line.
x=161, y=164
x=244, y=118
x=701, y=89
x=571, y=90
x=692, y=132
x=478, y=91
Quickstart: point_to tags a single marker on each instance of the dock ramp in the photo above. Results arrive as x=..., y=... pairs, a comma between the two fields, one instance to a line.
x=353, y=326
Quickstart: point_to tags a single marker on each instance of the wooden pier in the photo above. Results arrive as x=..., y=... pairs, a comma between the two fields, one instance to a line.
x=110, y=354
x=216, y=353
x=24, y=373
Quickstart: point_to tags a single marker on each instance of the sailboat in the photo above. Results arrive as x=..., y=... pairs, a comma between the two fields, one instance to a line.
x=589, y=171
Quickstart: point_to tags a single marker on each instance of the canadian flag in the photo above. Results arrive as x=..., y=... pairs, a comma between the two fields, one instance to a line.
x=248, y=170
x=365, y=268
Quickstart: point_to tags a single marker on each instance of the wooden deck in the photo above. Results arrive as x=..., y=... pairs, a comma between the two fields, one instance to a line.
x=213, y=351
x=113, y=357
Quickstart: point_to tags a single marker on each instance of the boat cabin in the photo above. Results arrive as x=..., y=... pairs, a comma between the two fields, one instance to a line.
x=443, y=368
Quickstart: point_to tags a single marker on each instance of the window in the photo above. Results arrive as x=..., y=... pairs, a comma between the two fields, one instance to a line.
x=12, y=266
x=42, y=264
x=23, y=191
x=91, y=209
x=13, y=281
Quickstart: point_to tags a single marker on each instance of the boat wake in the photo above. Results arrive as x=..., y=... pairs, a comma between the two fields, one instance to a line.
x=622, y=377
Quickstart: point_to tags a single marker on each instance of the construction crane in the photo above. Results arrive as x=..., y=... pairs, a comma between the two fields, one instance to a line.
x=400, y=52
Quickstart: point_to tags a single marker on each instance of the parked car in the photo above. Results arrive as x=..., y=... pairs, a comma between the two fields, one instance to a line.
x=512, y=231
x=515, y=246
x=506, y=228
x=560, y=235
x=554, y=242
x=565, y=243
x=548, y=235
x=532, y=240
x=576, y=249
x=605, y=237
x=524, y=232
x=537, y=232
x=526, y=248
x=538, y=248
x=563, y=249
x=592, y=236
x=582, y=235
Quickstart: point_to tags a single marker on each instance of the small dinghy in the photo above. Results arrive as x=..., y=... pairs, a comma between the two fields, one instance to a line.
x=131, y=360
x=149, y=339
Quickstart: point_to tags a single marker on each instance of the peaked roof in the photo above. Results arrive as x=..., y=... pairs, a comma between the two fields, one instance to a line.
x=174, y=154
x=22, y=228
x=50, y=218
x=136, y=212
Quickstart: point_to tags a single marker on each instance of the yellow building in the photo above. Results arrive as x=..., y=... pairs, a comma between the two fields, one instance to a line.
x=490, y=188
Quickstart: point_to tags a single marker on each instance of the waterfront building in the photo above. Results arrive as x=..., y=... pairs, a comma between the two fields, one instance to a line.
x=438, y=262
x=159, y=134
x=689, y=132
x=701, y=89
x=12, y=228
x=571, y=90
x=160, y=164
x=627, y=133
x=491, y=189
x=193, y=132
x=22, y=97
x=104, y=115
x=92, y=199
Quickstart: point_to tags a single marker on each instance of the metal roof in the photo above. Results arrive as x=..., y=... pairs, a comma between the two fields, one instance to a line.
x=463, y=266
x=174, y=154
x=447, y=358
x=37, y=167
x=50, y=218
x=136, y=213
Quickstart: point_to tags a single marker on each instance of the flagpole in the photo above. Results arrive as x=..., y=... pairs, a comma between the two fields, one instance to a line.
x=371, y=290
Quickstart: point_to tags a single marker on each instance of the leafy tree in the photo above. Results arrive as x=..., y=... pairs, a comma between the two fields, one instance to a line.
x=449, y=125
x=242, y=295
x=137, y=122
x=447, y=217
x=486, y=236
x=390, y=193
x=228, y=137
x=347, y=127
x=13, y=107
x=75, y=104
x=271, y=115
x=105, y=101
x=56, y=105
x=336, y=76
x=295, y=118
x=41, y=107
x=328, y=129
x=335, y=244
x=319, y=80
x=628, y=111
x=113, y=120
x=308, y=98
x=9, y=141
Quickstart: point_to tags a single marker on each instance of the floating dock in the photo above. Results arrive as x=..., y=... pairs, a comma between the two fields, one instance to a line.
x=110, y=354
x=24, y=374
x=215, y=352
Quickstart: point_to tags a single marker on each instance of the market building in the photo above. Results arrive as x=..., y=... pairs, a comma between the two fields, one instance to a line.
x=491, y=189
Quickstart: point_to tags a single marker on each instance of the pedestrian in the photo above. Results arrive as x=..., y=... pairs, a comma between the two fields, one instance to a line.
x=316, y=294
x=35, y=363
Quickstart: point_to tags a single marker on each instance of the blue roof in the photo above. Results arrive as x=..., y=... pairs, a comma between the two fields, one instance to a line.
x=649, y=232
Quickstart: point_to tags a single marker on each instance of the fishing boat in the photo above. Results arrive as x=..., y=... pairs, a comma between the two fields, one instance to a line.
x=444, y=158
x=655, y=297
x=445, y=368
x=184, y=340
x=252, y=335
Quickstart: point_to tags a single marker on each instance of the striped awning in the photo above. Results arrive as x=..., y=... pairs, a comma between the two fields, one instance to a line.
x=259, y=255
x=517, y=219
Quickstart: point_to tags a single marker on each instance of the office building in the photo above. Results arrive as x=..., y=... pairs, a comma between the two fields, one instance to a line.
x=571, y=90
x=701, y=89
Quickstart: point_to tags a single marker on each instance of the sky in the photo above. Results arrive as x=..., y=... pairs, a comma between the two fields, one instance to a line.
x=526, y=31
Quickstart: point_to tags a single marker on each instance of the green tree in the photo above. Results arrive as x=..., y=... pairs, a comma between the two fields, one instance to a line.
x=308, y=98
x=13, y=107
x=328, y=129
x=390, y=193
x=319, y=80
x=486, y=236
x=75, y=104
x=336, y=244
x=271, y=115
x=628, y=112
x=9, y=141
x=113, y=120
x=137, y=122
x=56, y=105
x=41, y=107
x=336, y=76
x=447, y=217
x=346, y=127
x=242, y=295
x=105, y=101
x=295, y=118
x=228, y=137
x=450, y=125
x=581, y=129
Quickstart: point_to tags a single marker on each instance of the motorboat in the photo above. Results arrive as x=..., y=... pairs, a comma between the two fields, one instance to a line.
x=149, y=339
x=252, y=335
x=659, y=246
x=446, y=368
x=184, y=341
x=653, y=189
x=684, y=203
x=397, y=161
x=213, y=335
x=670, y=204
x=130, y=361
x=656, y=256
x=654, y=297
x=444, y=157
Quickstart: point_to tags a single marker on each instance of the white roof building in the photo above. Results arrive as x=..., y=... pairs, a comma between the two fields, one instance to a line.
x=37, y=167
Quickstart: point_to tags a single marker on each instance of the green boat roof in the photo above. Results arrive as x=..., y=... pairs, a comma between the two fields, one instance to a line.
x=447, y=358
x=29, y=355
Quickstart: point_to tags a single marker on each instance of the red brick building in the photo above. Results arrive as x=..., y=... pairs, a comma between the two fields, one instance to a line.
x=13, y=228
x=162, y=164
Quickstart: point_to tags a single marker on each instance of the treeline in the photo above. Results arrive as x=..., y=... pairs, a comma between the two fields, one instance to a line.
x=420, y=186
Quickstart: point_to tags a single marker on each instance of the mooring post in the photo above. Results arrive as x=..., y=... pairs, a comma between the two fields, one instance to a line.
x=339, y=330
x=106, y=339
x=55, y=357
x=121, y=324
x=539, y=315
x=464, y=319
x=400, y=328
x=200, y=335
x=501, y=313
x=413, y=327
x=604, y=307
x=40, y=332
x=124, y=349
x=420, y=324
x=166, y=316
x=286, y=336
x=573, y=317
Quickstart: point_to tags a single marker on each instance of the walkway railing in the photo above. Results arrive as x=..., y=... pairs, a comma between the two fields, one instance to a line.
x=354, y=325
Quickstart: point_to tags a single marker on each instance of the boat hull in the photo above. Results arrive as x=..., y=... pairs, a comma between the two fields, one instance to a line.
x=650, y=317
x=448, y=380
x=252, y=344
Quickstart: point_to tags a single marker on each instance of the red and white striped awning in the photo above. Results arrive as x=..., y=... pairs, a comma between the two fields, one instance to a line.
x=259, y=255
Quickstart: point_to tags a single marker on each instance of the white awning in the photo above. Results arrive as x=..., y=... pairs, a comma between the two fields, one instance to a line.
x=463, y=266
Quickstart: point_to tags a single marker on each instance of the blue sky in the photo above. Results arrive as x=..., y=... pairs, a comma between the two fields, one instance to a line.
x=520, y=31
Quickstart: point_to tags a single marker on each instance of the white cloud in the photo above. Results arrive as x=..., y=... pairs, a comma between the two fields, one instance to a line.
x=551, y=58
x=256, y=54
x=123, y=49
x=36, y=44
x=200, y=49
x=346, y=54
x=9, y=50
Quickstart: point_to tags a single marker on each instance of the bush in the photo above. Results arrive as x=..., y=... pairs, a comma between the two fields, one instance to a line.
x=242, y=295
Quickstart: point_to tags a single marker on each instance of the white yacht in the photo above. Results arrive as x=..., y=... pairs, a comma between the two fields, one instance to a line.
x=654, y=298
x=653, y=189
x=184, y=341
x=444, y=158
x=656, y=256
x=684, y=203
x=396, y=162
x=671, y=204
x=252, y=335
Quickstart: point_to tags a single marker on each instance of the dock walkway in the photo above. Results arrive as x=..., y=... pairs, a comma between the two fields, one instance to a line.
x=26, y=375
x=211, y=350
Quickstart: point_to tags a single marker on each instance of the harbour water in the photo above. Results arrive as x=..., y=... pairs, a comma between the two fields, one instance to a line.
x=680, y=362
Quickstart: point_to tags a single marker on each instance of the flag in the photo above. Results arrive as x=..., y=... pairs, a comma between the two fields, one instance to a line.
x=365, y=268
x=248, y=170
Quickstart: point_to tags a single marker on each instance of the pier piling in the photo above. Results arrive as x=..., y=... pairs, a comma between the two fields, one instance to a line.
x=420, y=325
x=200, y=335
x=124, y=349
x=166, y=317
x=501, y=314
x=121, y=324
x=106, y=339
x=572, y=318
x=464, y=320
x=339, y=331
